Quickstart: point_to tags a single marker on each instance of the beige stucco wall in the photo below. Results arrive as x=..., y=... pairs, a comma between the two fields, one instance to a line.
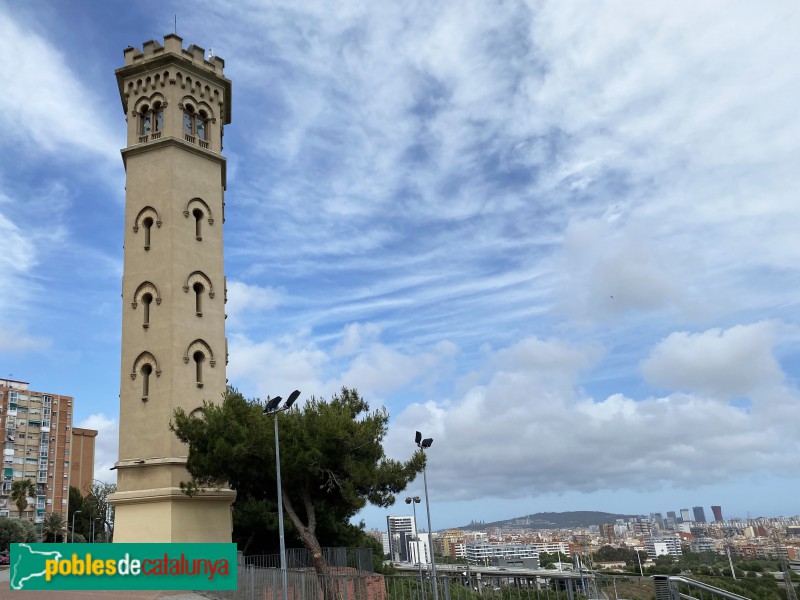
x=169, y=175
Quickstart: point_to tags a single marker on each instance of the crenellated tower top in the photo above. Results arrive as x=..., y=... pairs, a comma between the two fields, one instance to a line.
x=189, y=62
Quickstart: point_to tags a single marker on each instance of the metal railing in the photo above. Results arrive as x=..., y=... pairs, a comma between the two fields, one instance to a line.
x=359, y=559
x=673, y=587
x=346, y=583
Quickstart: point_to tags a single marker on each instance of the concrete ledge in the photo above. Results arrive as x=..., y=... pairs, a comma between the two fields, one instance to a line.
x=171, y=494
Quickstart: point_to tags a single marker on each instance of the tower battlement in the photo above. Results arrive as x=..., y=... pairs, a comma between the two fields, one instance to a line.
x=173, y=44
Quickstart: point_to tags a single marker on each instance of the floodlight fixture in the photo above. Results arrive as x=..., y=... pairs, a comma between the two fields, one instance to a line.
x=426, y=443
x=292, y=397
x=272, y=404
x=418, y=438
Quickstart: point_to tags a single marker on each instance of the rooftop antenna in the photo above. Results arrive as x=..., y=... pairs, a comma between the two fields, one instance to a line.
x=176, y=24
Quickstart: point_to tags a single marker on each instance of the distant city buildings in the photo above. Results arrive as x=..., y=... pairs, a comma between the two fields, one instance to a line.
x=39, y=446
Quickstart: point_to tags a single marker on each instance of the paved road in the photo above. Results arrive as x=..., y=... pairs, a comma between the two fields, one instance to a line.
x=7, y=594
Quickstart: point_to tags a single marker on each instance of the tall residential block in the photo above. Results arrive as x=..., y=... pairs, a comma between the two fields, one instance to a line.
x=38, y=447
x=174, y=350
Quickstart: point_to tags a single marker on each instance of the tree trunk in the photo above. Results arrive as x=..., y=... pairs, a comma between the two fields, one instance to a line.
x=309, y=538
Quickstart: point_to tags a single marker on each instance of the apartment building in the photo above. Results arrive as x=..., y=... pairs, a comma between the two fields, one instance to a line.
x=37, y=430
x=401, y=529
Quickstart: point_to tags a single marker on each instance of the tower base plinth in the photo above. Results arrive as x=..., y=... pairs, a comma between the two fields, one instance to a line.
x=168, y=515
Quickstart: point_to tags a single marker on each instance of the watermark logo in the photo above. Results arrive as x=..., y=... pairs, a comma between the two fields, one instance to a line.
x=123, y=567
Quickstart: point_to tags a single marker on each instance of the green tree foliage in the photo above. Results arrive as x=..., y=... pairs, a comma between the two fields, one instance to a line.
x=548, y=560
x=21, y=490
x=14, y=531
x=332, y=465
x=94, y=506
x=99, y=511
x=612, y=554
x=53, y=527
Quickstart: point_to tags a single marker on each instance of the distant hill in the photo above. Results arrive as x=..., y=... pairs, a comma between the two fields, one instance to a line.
x=552, y=520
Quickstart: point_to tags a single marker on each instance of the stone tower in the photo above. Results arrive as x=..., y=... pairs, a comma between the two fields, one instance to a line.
x=174, y=349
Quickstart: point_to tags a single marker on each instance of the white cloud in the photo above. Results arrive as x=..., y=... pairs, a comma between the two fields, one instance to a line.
x=248, y=299
x=531, y=430
x=722, y=362
x=106, y=445
x=276, y=368
x=354, y=336
x=47, y=107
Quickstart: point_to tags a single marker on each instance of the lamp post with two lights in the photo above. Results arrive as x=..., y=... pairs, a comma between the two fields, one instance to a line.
x=413, y=501
x=272, y=409
x=422, y=445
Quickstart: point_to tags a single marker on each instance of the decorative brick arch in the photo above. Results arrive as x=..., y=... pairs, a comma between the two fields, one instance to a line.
x=201, y=204
x=144, y=287
x=143, y=359
x=202, y=346
x=196, y=276
x=147, y=211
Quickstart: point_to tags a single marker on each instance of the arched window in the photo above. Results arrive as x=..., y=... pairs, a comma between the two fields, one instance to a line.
x=198, y=298
x=195, y=124
x=151, y=118
x=146, y=300
x=188, y=121
x=199, y=357
x=158, y=117
x=145, y=120
x=200, y=123
x=146, y=371
x=198, y=219
x=147, y=224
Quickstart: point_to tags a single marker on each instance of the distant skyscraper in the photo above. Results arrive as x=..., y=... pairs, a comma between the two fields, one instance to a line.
x=658, y=519
x=685, y=515
x=671, y=520
x=699, y=514
x=717, y=510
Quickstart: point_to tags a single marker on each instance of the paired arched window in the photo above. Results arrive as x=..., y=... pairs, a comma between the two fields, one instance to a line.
x=151, y=118
x=195, y=123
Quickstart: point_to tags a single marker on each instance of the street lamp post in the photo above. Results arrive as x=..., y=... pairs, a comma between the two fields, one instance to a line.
x=272, y=408
x=422, y=445
x=413, y=501
x=73, y=524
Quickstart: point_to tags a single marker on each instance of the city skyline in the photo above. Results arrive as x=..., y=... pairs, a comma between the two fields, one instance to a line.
x=559, y=240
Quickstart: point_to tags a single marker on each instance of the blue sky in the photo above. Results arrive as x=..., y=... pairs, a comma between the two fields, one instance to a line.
x=561, y=238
